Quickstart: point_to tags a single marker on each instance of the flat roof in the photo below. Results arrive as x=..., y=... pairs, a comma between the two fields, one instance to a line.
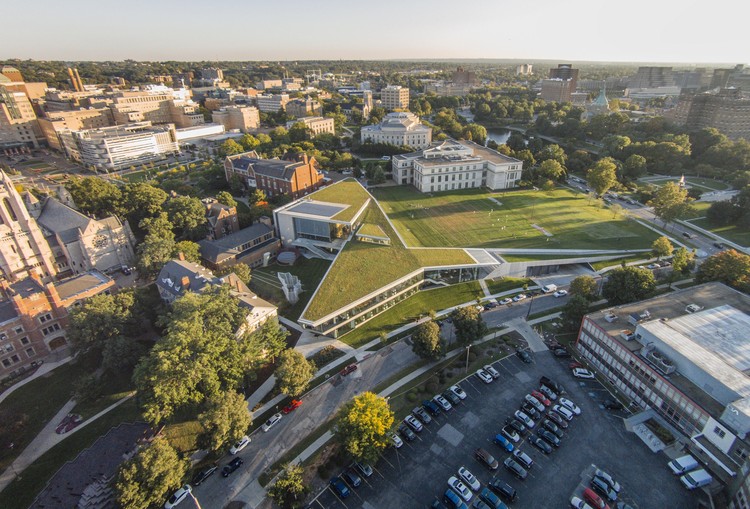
x=317, y=208
x=345, y=192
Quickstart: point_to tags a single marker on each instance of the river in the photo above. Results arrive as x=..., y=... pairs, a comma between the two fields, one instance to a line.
x=499, y=136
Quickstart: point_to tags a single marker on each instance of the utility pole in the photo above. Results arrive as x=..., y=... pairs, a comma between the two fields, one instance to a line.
x=528, y=313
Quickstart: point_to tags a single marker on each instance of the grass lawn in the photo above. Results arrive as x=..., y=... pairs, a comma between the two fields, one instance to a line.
x=477, y=218
x=505, y=284
x=137, y=176
x=412, y=308
x=22, y=491
x=346, y=192
x=266, y=284
x=703, y=184
x=736, y=234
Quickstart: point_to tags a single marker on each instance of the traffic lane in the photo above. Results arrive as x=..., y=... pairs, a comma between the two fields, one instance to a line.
x=317, y=407
x=506, y=312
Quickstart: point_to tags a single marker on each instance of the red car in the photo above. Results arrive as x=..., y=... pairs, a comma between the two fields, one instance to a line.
x=544, y=400
x=291, y=406
x=574, y=365
x=349, y=369
x=594, y=499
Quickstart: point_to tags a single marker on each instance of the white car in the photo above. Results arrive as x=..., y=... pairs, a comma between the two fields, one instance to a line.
x=577, y=503
x=523, y=458
x=469, y=479
x=442, y=403
x=178, y=496
x=413, y=423
x=492, y=371
x=484, y=376
x=524, y=419
x=608, y=478
x=270, y=423
x=583, y=373
x=570, y=406
x=563, y=411
x=241, y=444
x=395, y=440
x=548, y=392
x=534, y=402
x=560, y=293
x=506, y=300
x=460, y=488
x=458, y=391
x=519, y=297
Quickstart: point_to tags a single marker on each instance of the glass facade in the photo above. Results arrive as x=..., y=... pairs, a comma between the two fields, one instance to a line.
x=320, y=230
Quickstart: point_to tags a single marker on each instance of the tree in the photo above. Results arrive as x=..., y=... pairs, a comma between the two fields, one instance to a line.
x=683, y=261
x=241, y=270
x=257, y=196
x=551, y=169
x=585, y=286
x=669, y=202
x=290, y=489
x=188, y=215
x=468, y=324
x=158, y=246
x=266, y=342
x=226, y=419
x=93, y=195
x=661, y=247
x=628, y=284
x=475, y=133
x=142, y=200
x=230, y=148
x=730, y=267
x=362, y=426
x=552, y=152
x=602, y=176
x=573, y=312
x=101, y=319
x=426, y=341
x=298, y=132
x=225, y=198
x=634, y=167
x=189, y=249
x=121, y=354
x=146, y=479
x=293, y=372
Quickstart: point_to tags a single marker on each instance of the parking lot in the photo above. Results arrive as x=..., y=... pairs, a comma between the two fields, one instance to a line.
x=417, y=474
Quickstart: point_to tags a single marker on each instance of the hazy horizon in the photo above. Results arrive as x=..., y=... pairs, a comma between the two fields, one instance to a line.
x=575, y=31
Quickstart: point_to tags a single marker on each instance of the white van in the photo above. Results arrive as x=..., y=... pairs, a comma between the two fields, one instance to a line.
x=683, y=464
x=549, y=288
x=696, y=479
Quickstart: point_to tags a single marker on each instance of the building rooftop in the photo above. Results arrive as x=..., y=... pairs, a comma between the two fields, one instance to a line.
x=216, y=251
x=70, y=287
x=347, y=192
x=180, y=276
x=447, y=151
x=317, y=209
x=7, y=311
x=276, y=168
x=401, y=120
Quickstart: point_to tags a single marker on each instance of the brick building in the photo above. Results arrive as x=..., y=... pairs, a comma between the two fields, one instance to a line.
x=221, y=220
x=295, y=175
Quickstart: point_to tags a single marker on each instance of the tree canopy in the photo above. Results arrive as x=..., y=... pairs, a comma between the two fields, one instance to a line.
x=362, y=426
x=426, y=341
x=468, y=324
x=602, y=176
x=290, y=489
x=730, y=267
x=585, y=286
x=573, y=312
x=225, y=420
x=628, y=284
x=293, y=372
x=670, y=202
x=661, y=247
x=95, y=196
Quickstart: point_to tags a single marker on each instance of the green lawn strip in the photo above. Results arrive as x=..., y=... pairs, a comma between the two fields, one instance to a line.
x=412, y=308
x=310, y=272
x=735, y=233
x=362, y=267
x=473, y=218
x=183, y=436
x=115, y=388
x=713, y=185
x=346, y=192
x=22, y=491
x=618, y=261
x=533, y=257
x=506, y=284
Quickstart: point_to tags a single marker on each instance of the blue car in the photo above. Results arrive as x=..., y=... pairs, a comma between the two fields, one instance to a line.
x=431, y=407
x=503, y=442
x=342, y=490
x=453, y=500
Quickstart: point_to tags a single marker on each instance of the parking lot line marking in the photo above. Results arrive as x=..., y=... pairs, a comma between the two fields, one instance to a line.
x=473, y=386
x=391, y=464
x=337, y=497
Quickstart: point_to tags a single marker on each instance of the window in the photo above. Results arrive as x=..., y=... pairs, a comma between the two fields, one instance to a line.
x=25, y=340
x=45, y=318
x=720, y=432
x=18, y=330
x=30, y=352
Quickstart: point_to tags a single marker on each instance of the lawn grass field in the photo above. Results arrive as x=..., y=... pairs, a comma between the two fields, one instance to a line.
x=737, y=234
x=703, y=184
x=412, y=308
x=477, y=218
x=265, y=283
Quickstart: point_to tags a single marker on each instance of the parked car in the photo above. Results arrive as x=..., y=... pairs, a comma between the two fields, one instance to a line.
x=563, y=411
x=395, y=440
x=458, y=391
x=469, y=479
x=541, y=397
x=339, y=487
x=510, y=433
x=505, y=490
x=523, y=458
x=239, y=445
x=551, y=384
x=405, y=432
x=608, y=479
x=524, y=356
x=460, y=488
x=519, y=297
x=570, y=406
x=492, y=371
x=442, y=403
x=486, y=458
x=231, y=466
x=491, y=500
x=451, y=396
x=594, y=499
x=540, y=444
x=577, y=503
x=558, y=419
x=431, y=407
x=203, y=474
x=451, y=498
x=560, y=293
x=413, y=423
x=548, y=392
x=503, y=442
x=525, y=419
x=479, y=504
x=515, y=468
x=560, y=352
x=351, y=368
x=178, y=496
x=363, y=468
x=484, y=376
x=515, y=424
x=600, y=486
x=506, y=300
x=270, y=423
x=583, y=373
x=293, y=405
x=554, y=428
x=529, y=410
x=351, y=478
x=574, y=365
x=421, y=414
x=612, y=404
x=548, y=437
x=535, y=402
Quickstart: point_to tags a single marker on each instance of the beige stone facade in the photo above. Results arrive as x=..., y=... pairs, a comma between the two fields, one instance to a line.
x=307, y=107
x=75, y=120
x=316, y=125
x=243, y=118
x=395, y=97
x=18, y=124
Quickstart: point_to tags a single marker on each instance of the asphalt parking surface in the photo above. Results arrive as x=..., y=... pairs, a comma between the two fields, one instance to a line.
x=417, y=474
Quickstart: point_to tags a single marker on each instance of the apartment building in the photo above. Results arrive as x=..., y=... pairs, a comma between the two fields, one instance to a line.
x=18, y=122
x=119, y=147
x=307, y=107
x=75, y=120
x=271, y=103
x=725, y=109
x=652, y=77
x=398, y=128
x=316, y=125
x=158, y=105
x=395, y=97
x=452, y=164
x=295, y=175
x=243, y=118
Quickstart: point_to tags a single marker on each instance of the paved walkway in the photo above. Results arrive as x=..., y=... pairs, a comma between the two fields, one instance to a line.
x=536, y=344
x=43, y=370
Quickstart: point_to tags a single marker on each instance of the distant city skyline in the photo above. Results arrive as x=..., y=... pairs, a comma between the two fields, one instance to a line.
x=578, y=30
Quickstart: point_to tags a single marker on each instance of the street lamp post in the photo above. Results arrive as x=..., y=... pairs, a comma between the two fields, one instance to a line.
x=531, y=303
x=468, y=347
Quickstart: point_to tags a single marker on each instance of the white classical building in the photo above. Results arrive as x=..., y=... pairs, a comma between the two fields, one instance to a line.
x=452, y=164
x=316, y=125
x=400, y=128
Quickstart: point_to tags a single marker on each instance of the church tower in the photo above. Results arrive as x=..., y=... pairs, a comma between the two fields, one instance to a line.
x=23, y=248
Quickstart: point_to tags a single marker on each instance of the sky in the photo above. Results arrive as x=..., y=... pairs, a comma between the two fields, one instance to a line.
x=679, y=31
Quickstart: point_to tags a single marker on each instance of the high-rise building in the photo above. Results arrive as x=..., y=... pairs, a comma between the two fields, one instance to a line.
x=726, y=110
x=524, y=69
x=652, y=77
x=157, y=104
x=76, y=120
x=243, y=118
x=565, y=72
x=463, y=77
x=271, y=103
x=18, y=124
x=24, y=250
x=395, y=97
x=75, y=80
x=212, y=73
x=557, y=90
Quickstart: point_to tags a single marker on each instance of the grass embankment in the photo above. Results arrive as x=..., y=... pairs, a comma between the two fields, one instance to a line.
x=266, y=284
x=476, y=218
x=737, y=234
